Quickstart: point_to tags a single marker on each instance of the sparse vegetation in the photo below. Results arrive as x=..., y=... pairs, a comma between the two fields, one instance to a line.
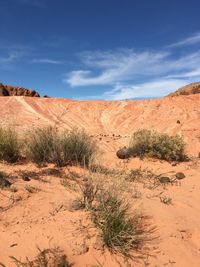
x=46, y=258
x=162, y=146
x=31, y=189
x=9, y=145
x=149, y=179
x=13, y=189
x=4, y=183
x=166, y=200
x=43, y=146
x=120, y=232
x=98, y=168
x=89, y=191
x=78, y=147
x=67, y=148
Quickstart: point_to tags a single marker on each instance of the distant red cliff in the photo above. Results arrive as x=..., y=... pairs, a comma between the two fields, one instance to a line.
x=8, y=90
x=190, y=89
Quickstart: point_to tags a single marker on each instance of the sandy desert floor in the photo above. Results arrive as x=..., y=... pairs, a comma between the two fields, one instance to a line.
x=39, y=213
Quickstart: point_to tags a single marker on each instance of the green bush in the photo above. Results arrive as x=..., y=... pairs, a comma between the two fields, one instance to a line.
x=78, y=147
x=161, y=146
x=43, y=145
x=121, y=233
x=142, y=142
x=9, y=145
x=169, y=148
x=69, y=147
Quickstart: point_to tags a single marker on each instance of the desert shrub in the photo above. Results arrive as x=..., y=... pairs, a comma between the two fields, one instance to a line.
x=43, y=145
x=169, y=148
x=68, y=147
x=161, y=146
x=142, y=142
x=120, y=232
x=9, y=145
x=78, y=147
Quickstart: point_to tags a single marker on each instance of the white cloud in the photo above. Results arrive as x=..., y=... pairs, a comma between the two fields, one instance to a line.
x=194, y=39
x=11, y=57
x=135, y=74
x=150, y=89
x=115, y=67
x=46, y=61
x=109, y=68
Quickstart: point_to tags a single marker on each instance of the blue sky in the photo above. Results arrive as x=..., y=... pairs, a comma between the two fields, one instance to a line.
x=100, y=49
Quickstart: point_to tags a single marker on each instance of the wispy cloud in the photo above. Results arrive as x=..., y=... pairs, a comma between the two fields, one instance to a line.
x=194, y=39
x=46, y=61
x=149, y=89
x=121, y=65
x=10, y=55
x=9, y=58
x=128, y=73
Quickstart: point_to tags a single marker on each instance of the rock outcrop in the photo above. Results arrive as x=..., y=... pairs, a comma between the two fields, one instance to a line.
x=190, y=89
x=8, y=90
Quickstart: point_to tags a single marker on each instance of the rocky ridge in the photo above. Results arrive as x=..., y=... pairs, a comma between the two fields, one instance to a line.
x=9, y=90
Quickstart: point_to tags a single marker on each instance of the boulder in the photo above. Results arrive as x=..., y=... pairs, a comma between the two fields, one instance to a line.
x=164, y=180
x=180, y=175
x=124, y=153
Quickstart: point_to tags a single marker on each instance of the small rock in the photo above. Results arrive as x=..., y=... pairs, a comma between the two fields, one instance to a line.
x=178, y=122
x=164, y=180
x=13, y=245
x=180, y=175
x=174, y=164
x=124, y=153
x=26, y=178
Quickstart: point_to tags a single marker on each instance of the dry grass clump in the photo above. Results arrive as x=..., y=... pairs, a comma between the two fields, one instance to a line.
x=42, y=145
x=46, y=258
x=162, y=146
x=66, y=148
x=4, y=183
x=98, y=168
x=78, y=147
x=121, y=232
x=89, y=190
x=9, y=145
x=166, y=200
x=31, y=189
x=103, y=170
